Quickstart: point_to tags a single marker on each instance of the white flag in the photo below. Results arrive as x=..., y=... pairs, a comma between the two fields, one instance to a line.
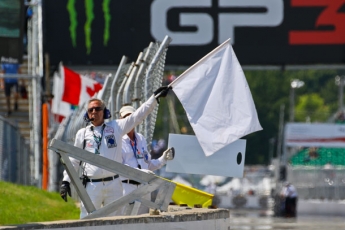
x=217, y=99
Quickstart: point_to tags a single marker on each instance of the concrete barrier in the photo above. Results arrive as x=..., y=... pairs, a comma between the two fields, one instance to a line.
x=176, y=218
x=321, y=207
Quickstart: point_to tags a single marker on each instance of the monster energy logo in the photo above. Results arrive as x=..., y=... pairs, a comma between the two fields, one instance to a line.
x=89, y=5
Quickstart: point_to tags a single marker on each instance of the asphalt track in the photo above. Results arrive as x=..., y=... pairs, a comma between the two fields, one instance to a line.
x=254, y=219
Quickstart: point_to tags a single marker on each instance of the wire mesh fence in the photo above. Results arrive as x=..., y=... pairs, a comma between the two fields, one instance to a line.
x=153, y=80
x=325, y=182
x=150, y=77
x=15, y=156
x=317, y=172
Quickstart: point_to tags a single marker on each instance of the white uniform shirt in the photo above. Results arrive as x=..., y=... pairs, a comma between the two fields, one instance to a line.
x=289, y=191
x=111, y=142
x=142, y=157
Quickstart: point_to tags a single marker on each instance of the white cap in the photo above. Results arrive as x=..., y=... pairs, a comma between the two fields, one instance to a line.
x=126, y=110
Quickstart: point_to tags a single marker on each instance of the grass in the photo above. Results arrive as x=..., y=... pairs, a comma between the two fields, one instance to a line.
x=25, y=204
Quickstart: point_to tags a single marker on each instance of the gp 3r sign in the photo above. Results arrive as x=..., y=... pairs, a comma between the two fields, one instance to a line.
x=204, y=24
x=329, y=23
x=262, y=32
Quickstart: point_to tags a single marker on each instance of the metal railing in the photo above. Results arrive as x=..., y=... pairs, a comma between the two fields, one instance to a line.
x=15, y=155
x=318, y=182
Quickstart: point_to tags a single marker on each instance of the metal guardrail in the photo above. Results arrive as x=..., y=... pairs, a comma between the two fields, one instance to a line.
x=318, y=182
x=15, y=156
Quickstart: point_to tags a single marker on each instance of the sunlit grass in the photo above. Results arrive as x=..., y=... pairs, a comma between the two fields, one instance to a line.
x=25, y=204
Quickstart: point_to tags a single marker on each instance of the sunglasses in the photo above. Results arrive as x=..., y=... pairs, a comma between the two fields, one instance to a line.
x=94, y=108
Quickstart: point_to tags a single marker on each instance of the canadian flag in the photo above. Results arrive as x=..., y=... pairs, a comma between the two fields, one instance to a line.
x=77, y=88
x=70, y=90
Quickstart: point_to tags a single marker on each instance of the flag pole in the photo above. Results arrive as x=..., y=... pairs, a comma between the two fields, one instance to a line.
x=206, y=56
x=60, y=68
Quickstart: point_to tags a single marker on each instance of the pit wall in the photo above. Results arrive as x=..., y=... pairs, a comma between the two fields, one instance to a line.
x=176, y=218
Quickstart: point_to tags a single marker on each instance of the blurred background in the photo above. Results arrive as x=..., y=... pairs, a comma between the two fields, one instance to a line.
x=292, y=53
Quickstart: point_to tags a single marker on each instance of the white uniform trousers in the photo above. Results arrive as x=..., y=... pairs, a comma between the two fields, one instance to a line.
x=103, y=193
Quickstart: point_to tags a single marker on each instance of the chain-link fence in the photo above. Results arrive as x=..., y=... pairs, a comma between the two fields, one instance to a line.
x=317, y=172
x=324, y=182
x=15, y=157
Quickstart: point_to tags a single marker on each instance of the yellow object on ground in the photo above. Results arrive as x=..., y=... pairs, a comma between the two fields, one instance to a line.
x=190, y=196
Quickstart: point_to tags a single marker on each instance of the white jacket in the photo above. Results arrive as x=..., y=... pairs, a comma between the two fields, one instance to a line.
x=142, y=157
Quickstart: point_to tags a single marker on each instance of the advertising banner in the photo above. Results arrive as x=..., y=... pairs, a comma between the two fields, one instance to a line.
x=262, y=32
x=315, y=135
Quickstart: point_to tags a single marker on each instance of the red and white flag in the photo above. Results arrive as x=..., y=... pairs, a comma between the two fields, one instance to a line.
x=77, y=88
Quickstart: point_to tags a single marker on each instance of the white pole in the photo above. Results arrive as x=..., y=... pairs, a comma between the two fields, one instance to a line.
x=341, y=93
x=34, y=100
x=280, y=133
x=37, y=70
x=292, y=104
x=40, y=38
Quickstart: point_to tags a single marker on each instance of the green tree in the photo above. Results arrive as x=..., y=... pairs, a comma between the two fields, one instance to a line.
x=311, y=108
x=269, y=90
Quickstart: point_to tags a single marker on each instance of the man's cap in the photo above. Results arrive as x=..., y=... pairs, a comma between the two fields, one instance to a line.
x=126, y=110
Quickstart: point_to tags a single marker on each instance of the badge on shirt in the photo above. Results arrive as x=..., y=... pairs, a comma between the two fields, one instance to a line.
x=111, y=142
x=146, y=156
x=90, y=145
x=139, y=155
x=108, y=129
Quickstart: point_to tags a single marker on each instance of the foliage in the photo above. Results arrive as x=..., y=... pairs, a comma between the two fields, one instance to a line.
x=23, y=204
x=271, y=90
x=311, y=108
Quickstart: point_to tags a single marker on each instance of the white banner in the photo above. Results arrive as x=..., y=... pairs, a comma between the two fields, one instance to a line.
x=315, y=135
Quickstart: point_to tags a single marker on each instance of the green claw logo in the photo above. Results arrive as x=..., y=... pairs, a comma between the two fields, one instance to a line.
x=89, y=5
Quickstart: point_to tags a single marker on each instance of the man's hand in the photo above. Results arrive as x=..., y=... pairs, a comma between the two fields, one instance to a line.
x=161, y=92
x=168, y=155
x=64, y=190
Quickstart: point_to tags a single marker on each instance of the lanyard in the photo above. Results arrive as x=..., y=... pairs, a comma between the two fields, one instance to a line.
x=135, y=149
x=98, y=139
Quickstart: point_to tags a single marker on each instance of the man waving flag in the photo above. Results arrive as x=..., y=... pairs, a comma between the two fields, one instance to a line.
x=217, y=99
